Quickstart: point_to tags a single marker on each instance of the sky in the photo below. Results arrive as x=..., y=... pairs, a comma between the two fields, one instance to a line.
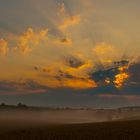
x=77, y=53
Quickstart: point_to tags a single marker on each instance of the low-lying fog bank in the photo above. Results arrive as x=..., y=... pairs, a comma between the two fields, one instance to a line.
x=25, y=117
x=54, y=116
x=62, y=116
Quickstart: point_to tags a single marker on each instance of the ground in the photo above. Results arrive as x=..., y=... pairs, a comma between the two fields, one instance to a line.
x=120, y=130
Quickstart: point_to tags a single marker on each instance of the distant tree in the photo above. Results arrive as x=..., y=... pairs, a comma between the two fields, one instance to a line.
x=3, y=104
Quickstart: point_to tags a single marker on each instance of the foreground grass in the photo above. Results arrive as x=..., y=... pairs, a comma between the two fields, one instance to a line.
x=124, y=130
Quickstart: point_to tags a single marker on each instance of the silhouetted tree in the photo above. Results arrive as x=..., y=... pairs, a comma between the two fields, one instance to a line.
x=3, y=104
x=20, y=105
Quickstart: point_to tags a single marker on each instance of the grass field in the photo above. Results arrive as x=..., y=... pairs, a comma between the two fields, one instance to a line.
x=121, y=130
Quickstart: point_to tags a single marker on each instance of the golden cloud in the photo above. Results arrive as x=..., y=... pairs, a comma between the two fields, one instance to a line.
x=81, y=71
x=3, y=47
x=121, y=77
x=60, y=75
x=79, y=83
x=106, y=52
x=31, y=39
x=74, y=83
x=70, y=21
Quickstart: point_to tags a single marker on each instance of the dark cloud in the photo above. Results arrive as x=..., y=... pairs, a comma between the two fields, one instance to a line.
x=41, y=69
x=101, y=75
x=65, y=75
x=36, y=68
x=121, y=63
x=32, y=85
x=62, y=75
x=134, y=71
x=65, y=40
x=74, y=62
x=29, y=86
x=7, y=86
x=131, y=86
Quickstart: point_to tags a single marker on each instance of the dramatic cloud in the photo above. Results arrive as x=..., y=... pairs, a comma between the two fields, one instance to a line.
x=66, y=77
x=115, y=76
x=75, y=73
x=64, y=56
x=101, y=82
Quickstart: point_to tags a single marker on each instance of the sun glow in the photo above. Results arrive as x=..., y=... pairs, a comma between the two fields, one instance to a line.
x=121, y=77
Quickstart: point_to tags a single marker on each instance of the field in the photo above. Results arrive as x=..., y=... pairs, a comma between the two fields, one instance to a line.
x=122, y=130
x=69, y=124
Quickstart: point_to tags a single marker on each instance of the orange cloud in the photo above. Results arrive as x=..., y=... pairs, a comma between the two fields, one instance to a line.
x=61, y=75
x=81, y=71
x=106, y=53
x=79, y=83
x=70, y=21
x=3, y=47
x=31, y=39
x=74, y=83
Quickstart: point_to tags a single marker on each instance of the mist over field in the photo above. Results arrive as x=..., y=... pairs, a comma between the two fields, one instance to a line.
x=62, y=123
x=54, y=116
x=35, y=116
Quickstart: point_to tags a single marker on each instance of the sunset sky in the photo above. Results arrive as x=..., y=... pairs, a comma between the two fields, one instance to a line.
x=79, y=53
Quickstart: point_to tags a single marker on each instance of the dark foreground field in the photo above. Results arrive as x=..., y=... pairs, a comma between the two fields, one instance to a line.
x=123, y=130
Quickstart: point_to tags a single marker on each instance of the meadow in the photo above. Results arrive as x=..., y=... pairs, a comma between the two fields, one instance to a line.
x=27, y=123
